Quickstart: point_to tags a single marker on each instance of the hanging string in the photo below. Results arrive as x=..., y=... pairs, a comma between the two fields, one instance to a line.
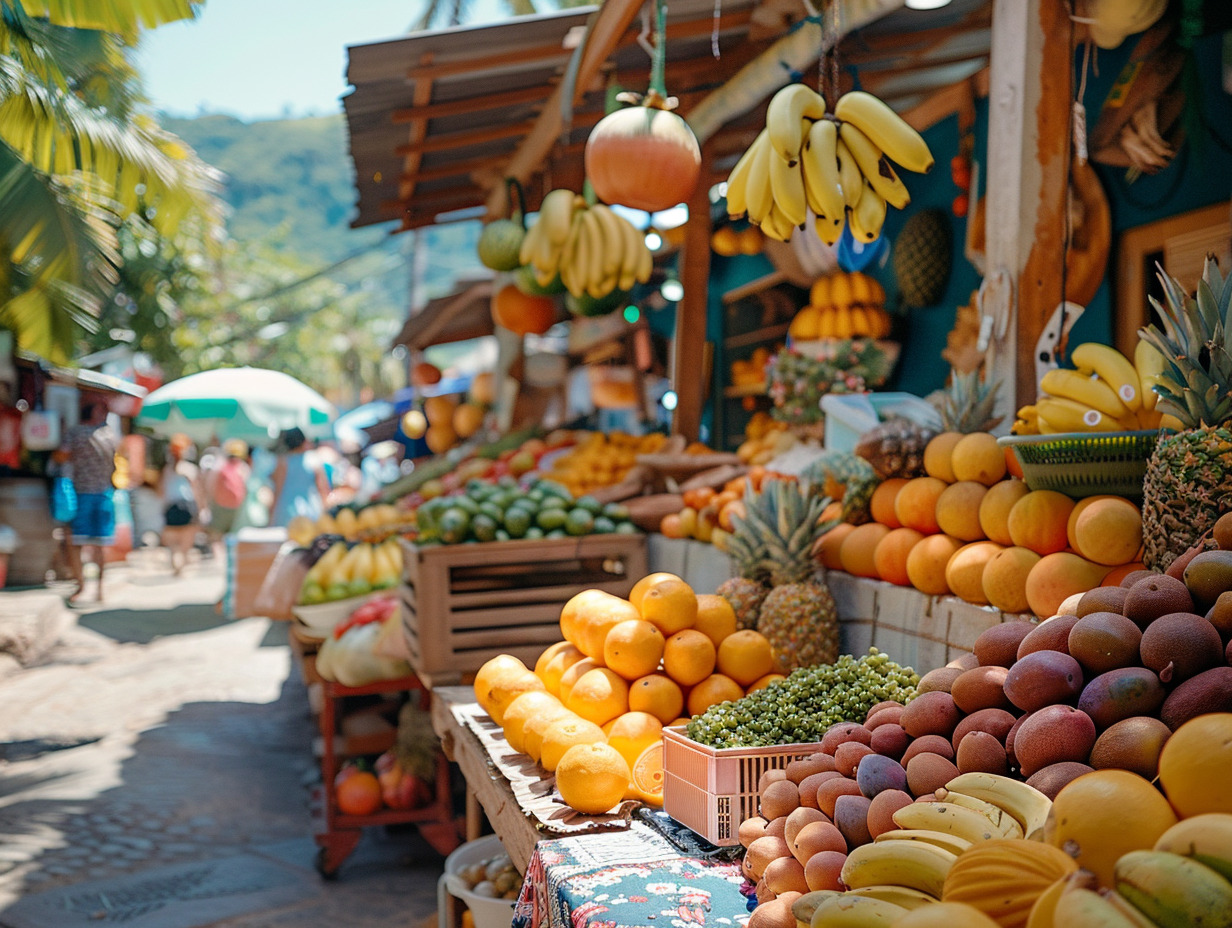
x=714, y=29
x=1079, y=120
x=1066, y=225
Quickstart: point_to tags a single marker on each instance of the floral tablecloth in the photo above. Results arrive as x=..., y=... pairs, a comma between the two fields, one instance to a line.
x=626, y=879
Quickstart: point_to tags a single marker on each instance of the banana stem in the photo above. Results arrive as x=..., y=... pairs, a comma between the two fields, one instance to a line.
x=516, y=201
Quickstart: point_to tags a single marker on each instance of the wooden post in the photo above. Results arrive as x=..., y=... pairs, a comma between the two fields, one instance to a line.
x=1030, y=94
x=689, y=345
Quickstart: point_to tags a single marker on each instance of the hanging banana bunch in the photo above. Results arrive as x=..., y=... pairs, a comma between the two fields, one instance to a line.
x=836, y=166
x=594, y=250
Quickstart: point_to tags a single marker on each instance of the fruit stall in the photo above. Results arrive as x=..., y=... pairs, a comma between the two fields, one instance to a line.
x=935, y=624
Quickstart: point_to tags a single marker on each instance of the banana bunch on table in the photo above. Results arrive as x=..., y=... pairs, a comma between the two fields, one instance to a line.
x=1107, y=393
x=594, y=250
x=836, y=166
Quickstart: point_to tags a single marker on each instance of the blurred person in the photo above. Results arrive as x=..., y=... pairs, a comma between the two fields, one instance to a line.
x=300, y=488
x=183, y=502
x=226, y=486
x=90, y=450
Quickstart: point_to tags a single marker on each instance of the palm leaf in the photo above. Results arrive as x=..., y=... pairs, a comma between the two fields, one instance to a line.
x=123, y=17
x=48, y=313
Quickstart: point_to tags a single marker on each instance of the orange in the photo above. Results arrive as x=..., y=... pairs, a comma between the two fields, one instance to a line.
x=520, y=711
x=964, y=574
x=563, y=734
x=745, y=657
x=556, y=667
x=592, y=778
x=715, y=689
x=588, y=617
x=938, y=455
x=509, y=689
x=762, y=682
x=958, y=510
x=689, y=656
x=573, y=674
x=890, y=555
x=658, y=695
x=633, y=648
x=494, y=671
x=859, y=548
x=599, y=696
x=828, y=548
x=536, y=725
x=882, y=504
x=643, y=586
x=632, y=733
x=715, y=617
x=1107, y=531
x=995, y=509
x=1194, y=764
x=978, y=457
x=546, y=657
x=1038, y=520
x=1005, y=579
x=1104, y=814
x=927, y=561
x=647, y=775
x=916, y=504
x=671, y=605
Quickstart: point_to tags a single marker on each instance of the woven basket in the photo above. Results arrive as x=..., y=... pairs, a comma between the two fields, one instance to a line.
x=1081, y=464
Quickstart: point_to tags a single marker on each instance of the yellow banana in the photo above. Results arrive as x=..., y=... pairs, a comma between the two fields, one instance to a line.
x=947, y=818
x=842, y=292
x=530, y=243
x=899, y=895
x=595, y=269
x=1072, y=416
x=1172, y=890
x=951, y=843
x=610, y=234
x=1149, y=364
x=850, y=178
x=1004, y=824
x=575, y=259
x=556, y=214
x=1114, y=367
x=874, y=166
x=862, y=289
x=887, y=130
x=804, y=907
x=1206, y=838
x=820, y=163
x=738, y=179
x=787, y=185
x=1026, y=804
x=828, y=230
x=1093, y=391
x=913, y=864
x=786, y=115
x=868, y=216
x=1084, y=908
x=758, y=194
x=777, y=225
x=848, y=911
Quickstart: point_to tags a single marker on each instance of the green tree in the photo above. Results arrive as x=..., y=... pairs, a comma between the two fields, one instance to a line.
x=80, y=157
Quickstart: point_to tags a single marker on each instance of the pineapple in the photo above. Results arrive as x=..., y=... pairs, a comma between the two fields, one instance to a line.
x=798, y=616
x=968, y=405
x=841, y=473
x=745, y=592
x=1188, y=480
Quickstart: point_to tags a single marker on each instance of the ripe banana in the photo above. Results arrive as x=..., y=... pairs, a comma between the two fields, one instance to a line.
x=1026, y=421
x=946, y=817
x=887, y=130
x=1026, y=804
x=873, y=164
x=819, y=161
x=951, y=843
x=1114, y=367
x=1174, y=891
x=1072, y=416
x=868, y=216
x=738, y=179
x=1004, y=824
x=1149, y=364
x=787, y=186
x=786, y=115
x=804, y=907
x=899, y=895
x=913, y=864
x=1092, y=391
x=1206, y=838
x=828, y=231
x=574, y=256
x=758, y=194
x=530, y=243
x=612, y=247
x=1085, y=908
x=848, y=911
x=556, y=215
x=849, y=176
x=776, y=224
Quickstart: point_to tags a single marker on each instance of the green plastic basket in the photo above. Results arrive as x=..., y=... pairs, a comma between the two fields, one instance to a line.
x=1081, y=464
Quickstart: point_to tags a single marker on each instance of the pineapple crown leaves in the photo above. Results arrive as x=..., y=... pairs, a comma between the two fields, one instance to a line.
x=781, y=523
x=968, y=405
x=1196, y=383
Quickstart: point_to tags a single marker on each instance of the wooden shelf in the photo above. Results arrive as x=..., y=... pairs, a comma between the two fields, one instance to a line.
x=753, y=287
x=743, y=390
x=757, y=336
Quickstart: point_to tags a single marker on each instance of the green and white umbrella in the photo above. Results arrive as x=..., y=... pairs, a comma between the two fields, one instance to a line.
x=241, y=402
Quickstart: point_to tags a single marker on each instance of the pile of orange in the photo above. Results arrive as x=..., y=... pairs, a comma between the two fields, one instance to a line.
x=973, y=529
x=625, y=669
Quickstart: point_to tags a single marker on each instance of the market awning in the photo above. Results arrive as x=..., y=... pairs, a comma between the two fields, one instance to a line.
x=464, y=314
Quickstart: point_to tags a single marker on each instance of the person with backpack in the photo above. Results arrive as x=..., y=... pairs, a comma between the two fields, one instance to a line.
x=227, y=487
x=183, y=502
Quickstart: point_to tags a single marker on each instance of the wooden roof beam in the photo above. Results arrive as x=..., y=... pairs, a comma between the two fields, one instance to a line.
x=949, y=100
x=467, y=65
x=418, y=131
x=490, y=101
x=465, y=139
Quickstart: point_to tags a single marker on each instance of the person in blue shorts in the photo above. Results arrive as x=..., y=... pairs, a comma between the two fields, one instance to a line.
x=91, y=448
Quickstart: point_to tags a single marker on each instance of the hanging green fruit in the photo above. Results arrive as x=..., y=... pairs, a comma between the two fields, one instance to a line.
x=501, y=240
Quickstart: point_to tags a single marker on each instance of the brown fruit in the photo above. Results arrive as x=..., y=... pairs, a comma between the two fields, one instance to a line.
x=775, y=913
x=1177, y=568
x=890, y=740
x=1053, y=778
x=1131, y=744
x=765, y=850
x=798, y=770
x=1220, y=615
x=1180, y=645
x=887, y=716
x=1009, y=740
x=779, y=799
x=1052, y=735
x=1222, y=531
x=1209, y=691
x=776, y=827
x=998, y=646
x=1104, y=641
x=764, y=898
x=1152, y=597
x=829, y=791
x=929, y=744
x=818, y=837
x=848, y=755
x=930, y=714
x=939, y=680
x=823, y=871
x=1102, y=599
x=1208, y=575
x=995, y=722
x=843, y=732
x=1050, y=635
x=881, y=810
x=876, y=774
x=785, y=875
x=851, y=818
x=1134, y=576
x=1043, y=678
x=884, y=704
x=1121, y=694
x=769, y=777
x=751, y=829
x=980, y=688
x=798, y=819
x=927, y=773
x=964, y=661
x=808, y=787
x=980, y=751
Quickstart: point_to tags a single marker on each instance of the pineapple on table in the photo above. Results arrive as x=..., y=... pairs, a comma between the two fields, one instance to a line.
x=841, y=474
x=1188, y=481
x=747, y=552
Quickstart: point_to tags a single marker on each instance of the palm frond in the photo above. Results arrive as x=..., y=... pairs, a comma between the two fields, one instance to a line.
x=123, y=17
x=47, y=314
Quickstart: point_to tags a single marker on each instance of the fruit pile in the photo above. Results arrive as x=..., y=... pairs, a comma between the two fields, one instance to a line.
x=841, y=841
x=751, y=372
x=593, y=709
x=495, y=878
x=344, y=571
x=708, y=514
x=601, y=459
x=765, y=438
x=505, y=510
x=370, y=523
x=842, y=306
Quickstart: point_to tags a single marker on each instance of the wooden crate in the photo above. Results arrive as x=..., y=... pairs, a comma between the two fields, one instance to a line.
x=464, y=604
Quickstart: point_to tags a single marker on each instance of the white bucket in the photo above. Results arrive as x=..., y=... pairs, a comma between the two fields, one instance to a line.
x=488, y=912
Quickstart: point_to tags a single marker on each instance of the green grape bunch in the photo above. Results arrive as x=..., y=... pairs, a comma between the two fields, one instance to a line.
x=800, y=708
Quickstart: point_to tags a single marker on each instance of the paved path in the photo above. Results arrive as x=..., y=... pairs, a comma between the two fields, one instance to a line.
x=156, y=771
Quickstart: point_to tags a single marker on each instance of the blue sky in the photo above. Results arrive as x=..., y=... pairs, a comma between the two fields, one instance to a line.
x=261, y=59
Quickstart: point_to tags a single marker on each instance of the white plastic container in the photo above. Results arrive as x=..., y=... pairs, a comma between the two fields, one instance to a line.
x=850, y=415
x=488, y=912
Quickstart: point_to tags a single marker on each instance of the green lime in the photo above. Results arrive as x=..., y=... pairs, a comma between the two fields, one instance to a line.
x=557, y=533
x=549, y=519
x=502, y=535
x=590, y=504
x=604, y=525
x=554, y=502
x=617, y=512
x=483, y=526
x=453, y=525
x=627, y=528
x=491, y=510
x=507, y=482
x=536, y=494
x=552, y=488
x=466, y=504
x=475, y=487
x=517, y=521
x=534, y=532
x=579, y=522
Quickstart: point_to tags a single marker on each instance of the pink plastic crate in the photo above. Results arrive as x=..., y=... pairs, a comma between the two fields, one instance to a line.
x=713, y=790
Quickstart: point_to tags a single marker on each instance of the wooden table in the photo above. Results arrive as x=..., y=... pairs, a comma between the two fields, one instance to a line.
x=486, y=786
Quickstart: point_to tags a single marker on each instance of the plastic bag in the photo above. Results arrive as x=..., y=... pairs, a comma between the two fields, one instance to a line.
x=280, y=589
